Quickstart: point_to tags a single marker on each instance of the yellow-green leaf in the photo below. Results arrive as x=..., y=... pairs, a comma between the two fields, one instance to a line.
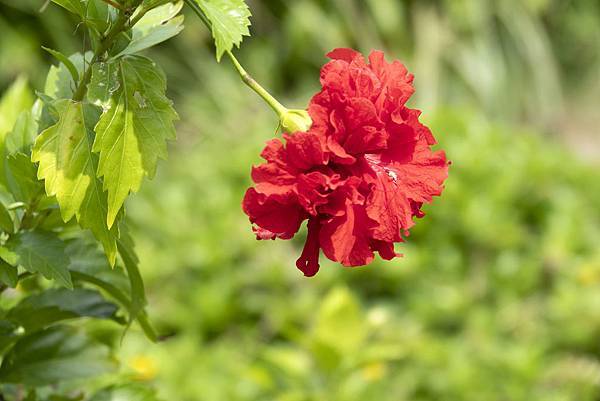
x=133, y=130
x=68, y=166
x=16, y=99
x=229, y=21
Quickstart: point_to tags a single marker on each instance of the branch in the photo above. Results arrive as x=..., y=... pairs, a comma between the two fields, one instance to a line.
x=105, y=45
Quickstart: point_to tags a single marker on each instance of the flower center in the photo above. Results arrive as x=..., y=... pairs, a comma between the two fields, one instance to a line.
x=391, y=174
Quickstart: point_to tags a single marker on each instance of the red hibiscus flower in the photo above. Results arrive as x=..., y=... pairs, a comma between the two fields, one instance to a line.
x=359, y=175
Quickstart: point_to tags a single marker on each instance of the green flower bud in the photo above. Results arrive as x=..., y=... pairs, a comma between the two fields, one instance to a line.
x=295, y=120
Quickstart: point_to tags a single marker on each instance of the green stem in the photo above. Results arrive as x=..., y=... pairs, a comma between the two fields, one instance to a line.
x=121, y=24
x=196, y=8
x=105, y=45
x=246, y=78
x=256, y=87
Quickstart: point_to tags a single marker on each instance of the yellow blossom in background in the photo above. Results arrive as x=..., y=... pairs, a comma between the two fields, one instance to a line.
x=588, y=275
x=145, y=368
x=374, y=371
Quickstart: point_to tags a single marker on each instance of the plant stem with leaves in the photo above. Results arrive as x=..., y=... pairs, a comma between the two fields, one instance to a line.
x=122, y=24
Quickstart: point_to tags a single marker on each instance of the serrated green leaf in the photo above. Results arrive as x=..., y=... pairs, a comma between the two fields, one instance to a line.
x=126, y=392
x=41, y=252
x=132, y=133
x=55, y=305
x=157, y=26
x=229, y=21
x=68, y=166
x=54, y=355
x=9, y=275
x=65, y=60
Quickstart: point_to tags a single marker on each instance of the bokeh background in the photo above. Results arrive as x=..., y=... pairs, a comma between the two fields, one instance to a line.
x=498, y=295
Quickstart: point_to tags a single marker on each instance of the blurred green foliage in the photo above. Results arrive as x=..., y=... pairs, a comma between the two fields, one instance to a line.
x=498, y=294
x=496, y=297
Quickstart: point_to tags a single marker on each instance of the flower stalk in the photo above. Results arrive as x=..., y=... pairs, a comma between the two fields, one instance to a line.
x=256, y=87
x=291, y=120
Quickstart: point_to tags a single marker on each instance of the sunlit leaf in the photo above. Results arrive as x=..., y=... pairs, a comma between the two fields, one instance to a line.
x=229, y=21
x=16, y=99
x=133, y=130
x=68, y=166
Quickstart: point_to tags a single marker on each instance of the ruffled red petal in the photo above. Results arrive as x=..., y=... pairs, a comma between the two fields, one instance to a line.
x=360, y=175
x=308, y=263
x=281, y=217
